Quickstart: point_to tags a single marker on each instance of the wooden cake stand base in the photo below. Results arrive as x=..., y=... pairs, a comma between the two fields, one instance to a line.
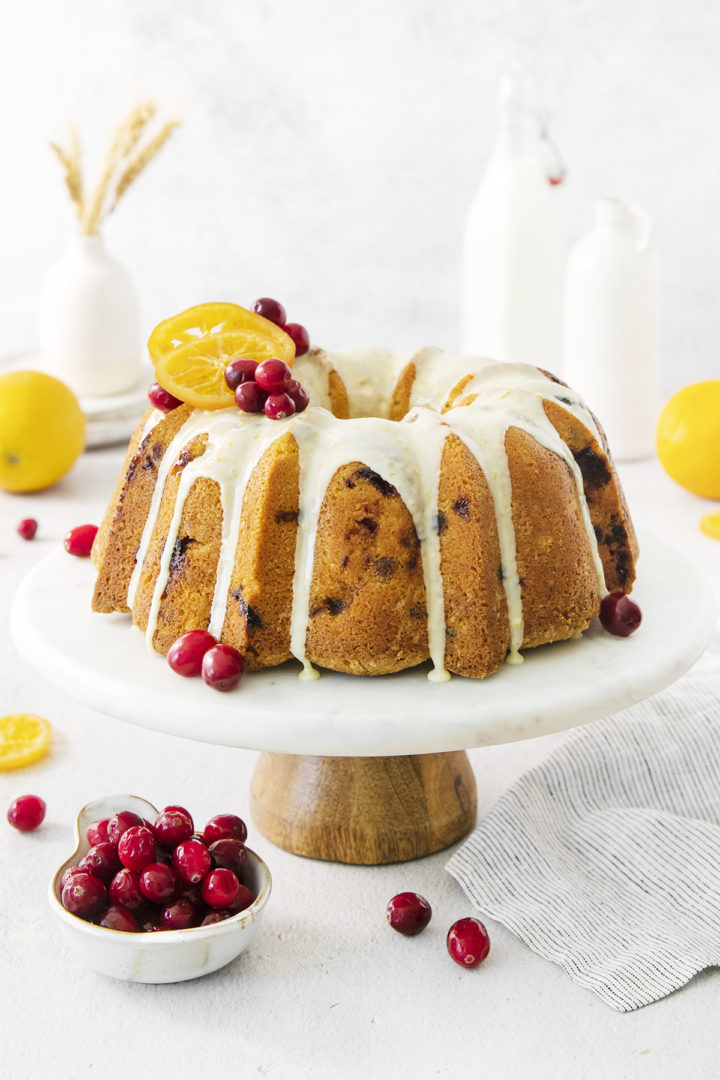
x=365, y=810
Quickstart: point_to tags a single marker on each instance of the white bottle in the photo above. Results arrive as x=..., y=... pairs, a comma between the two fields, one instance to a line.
x=612, y=326
x=513, y=264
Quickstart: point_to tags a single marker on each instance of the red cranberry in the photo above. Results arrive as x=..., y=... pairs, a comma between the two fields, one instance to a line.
x=222, y=667
x=159, y=883
x=118, y=917
x=408, y=913
x=279, y=406
x=225, y=827
x=179, y=915
x=272, y=375
x=299, y=335
x=70, y=873
x=186, y=653
x=101, y=860
x=249, y=397
x=298, y=393
x=620, y=615
x=220, y=888
x=149, y=922
x=97, y=832
x=125, y=890
x=270, y=309
x=193, y=893
x=26, y=812
x=161, y=399
x=215, y=916
x=27, y=528
x=79, y=541
x=173, y=825
x=192, y=861
x=136, y=848
x=243, y=899
x=119, y=823
x=468, y=942
x=84, y=895
x=240, y=371
x=180, y=809
x=230, y=853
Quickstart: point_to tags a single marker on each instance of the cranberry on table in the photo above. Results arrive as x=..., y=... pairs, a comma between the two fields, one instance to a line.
x=159, y=883
x=192, y=860
x=173, y=825
x=620, y=615
x=79, y=541
x=468, y=942
x=243, y=899
x=118, y=917
x=84, y=895
x=279, y=406
x=136, y=848
x=185, y=655
x=223, y=827
x=230, y=853
x=27, y=528
x=240, y=371
x=272, y=375
x=270, y=309
x=220, y=888
x=125, y=890
x=120, y=823
x=299, y=335
x=249, y=397
x=222, y=667
x=101, y=860
x=26, y=812
x=298, y=393
x=161, y=399
x=179, y=916
x=97, y=832
x=408, y=913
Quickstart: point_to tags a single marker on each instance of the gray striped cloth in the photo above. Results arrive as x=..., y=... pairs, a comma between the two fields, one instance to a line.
x=606, y=857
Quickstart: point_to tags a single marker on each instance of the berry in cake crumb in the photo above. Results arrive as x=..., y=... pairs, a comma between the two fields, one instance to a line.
x=79, y=541
x=240, y=371
x=249, y=397
x=118, y=917
x=159, y=883
x=620, y=615
x=279, y=406
x=468, y=942
x=299, y=335
x=119, y=823
x=298, y=393
x=230, y=853
x=192, y=860
x=97, y=832
x=225, y=827
x=408, y=913
x=161, y=399
x=125, y=890
x=185, y=655
x=26, y=812
x=272, y=375
x=220, y=888
x=222, y=667
x=270, y=309
x=84, y=895
x=101, y=860
x=136, y=848
x=172, y=826
x=27, y=528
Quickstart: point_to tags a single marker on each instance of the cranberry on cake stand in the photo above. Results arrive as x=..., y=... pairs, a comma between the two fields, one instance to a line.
x=363, y=770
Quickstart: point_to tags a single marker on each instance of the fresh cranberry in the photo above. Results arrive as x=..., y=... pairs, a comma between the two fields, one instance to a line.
x=70, y=873
x=230, y=853
x=193, y=893
x=468, y=942
x=180, y=809
x=299, y=335
x=186, y=653
x=225, y=827
x=125, y=890
x=149, y=922
x=97, y=832
x=179, y=915
x=79, y=541
x=620, y=615
x=271, y=375
x=26, y=812
x=240, y=371
x=270, y=309
x=136, y=848
x=27, y=528
x=173, y=825
x=408, y=913
x=298, y=393
x=118, y=917
x=220, y=888
x=279, y=406
x=249, y=397
x=161, y=399
x=222, y=667
x=243, y=899
x=215, y=916
x=159, y=883
x=84, y=895
x=192, y=861
x=119, y=823
x=101, y=860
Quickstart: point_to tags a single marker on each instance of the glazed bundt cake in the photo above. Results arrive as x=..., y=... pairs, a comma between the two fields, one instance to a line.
x=423, y=507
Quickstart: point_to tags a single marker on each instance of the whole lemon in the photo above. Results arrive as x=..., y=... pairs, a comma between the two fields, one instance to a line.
x=688, y=438
x=42, y=430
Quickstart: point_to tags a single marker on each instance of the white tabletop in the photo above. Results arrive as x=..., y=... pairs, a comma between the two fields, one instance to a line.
x=327, y=989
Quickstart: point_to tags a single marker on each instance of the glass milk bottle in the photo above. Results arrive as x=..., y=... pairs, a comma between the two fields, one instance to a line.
x=612, y=326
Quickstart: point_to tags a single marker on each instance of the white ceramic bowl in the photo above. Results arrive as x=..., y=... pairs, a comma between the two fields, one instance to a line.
x=168, y=955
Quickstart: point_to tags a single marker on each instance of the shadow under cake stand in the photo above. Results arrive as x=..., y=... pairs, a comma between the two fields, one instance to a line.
x=370, y=770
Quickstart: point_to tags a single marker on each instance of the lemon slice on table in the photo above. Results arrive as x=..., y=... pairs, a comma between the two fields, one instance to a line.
x=191, y=351
x=23, y=739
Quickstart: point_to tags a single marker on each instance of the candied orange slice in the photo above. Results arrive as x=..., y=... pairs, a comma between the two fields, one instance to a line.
x=23, y=739
x=191, y=351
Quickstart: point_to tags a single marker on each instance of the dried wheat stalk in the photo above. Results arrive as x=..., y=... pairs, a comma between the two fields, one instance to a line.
x=124, y=141
x=136, y=165
x=70, y=161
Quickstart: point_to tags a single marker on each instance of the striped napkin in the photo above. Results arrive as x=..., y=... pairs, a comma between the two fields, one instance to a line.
x=606, y=857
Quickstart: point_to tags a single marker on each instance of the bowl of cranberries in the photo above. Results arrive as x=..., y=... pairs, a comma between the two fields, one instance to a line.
x=149, y=898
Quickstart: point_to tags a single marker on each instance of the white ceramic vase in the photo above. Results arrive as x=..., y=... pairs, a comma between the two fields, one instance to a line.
x=90, y=321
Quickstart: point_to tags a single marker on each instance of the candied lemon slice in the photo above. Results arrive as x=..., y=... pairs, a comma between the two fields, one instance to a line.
x=710, y=525
x=23, y=739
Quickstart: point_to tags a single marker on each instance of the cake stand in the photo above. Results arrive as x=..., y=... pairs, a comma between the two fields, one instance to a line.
x=363, y=770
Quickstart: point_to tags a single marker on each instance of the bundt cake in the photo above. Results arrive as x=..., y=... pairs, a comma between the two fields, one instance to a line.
x=424, y=507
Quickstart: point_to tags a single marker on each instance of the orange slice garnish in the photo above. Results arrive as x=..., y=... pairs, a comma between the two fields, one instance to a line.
x=23, y=739
x=191, y=351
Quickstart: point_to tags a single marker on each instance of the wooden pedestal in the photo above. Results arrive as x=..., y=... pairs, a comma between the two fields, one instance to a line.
x=363, y=810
